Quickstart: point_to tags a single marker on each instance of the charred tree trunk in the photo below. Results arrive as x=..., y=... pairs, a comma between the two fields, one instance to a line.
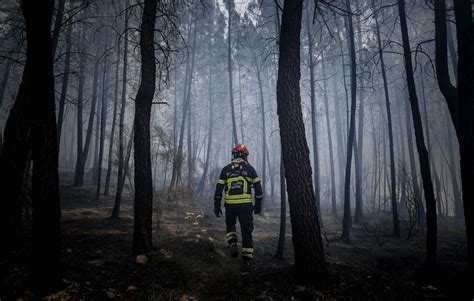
x=310, y=267
x=331, y=152
x=202, y=182
x=465, y=37
x=143, y=208
x=31, y=125
x=420, y=144
x=46, y=206
x=179, y=157
x=123, y=105
x=230, y=4
x=393, y=194
x=347, y=220
x=264, y=133
x=114, y=121
x=79, y=171
x=359, y=144
x=103, y=120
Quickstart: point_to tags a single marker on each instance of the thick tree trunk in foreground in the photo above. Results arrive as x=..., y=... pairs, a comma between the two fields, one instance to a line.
x=143, y=208
x=310, y=267
x=36, y=94
x=431, y=230
x=347, y=220
x=465, y=37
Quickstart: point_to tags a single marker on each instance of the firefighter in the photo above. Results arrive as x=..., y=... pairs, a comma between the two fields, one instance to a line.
x=237, y=180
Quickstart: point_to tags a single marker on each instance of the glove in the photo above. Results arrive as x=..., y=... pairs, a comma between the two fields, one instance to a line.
x=257, y=209
x=217, y=208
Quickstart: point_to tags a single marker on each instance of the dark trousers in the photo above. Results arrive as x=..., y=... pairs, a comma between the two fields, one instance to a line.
x=244, y=212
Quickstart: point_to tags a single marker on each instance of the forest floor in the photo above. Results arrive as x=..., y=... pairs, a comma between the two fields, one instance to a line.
x=190, y=260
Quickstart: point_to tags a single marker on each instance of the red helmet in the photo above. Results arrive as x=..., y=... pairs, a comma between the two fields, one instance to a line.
x=240, y=149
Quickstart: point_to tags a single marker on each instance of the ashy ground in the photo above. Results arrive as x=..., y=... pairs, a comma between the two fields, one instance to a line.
x=190, y=260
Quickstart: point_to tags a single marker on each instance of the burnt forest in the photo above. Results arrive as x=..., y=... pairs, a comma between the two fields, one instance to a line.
x=236, y=150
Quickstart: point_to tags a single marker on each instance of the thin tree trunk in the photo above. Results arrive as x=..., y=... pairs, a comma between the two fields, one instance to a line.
x=264, y=125
x=420, y=144
x=178, y=158
x=347, y=220
x=114, y=121
x=103, y=119
x=79, y=171
x=241, y=107
x=123, y=105
x=229, y=68
x=331, y=152
x=339, y=139
x=90, y=125
x=393, y=197
x=358, y=146
x=202, y=182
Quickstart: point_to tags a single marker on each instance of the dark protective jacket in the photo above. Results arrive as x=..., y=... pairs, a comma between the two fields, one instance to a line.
x=237, y=180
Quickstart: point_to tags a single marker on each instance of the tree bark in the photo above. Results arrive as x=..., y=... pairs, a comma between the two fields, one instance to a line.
x=114, y=121
x=143, y=209
x=282, y=233
x=229, y=68
x=393, y=194
x=31, y=125
x=123, y=106
x=331, y=152
x=347, y=219
x=420, y=144
x=178, y=158
x=309, y=255
x=79, y=171
x=202, y=182
x=445, y=85
x=465, y=38
x=103, y=119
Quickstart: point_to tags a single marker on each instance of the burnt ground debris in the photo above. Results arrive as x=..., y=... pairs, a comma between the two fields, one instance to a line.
x=190, y=259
